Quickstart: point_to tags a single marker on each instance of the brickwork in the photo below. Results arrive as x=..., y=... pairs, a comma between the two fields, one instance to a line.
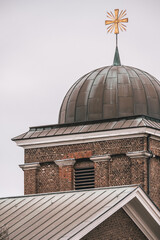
x=116, y=171
x=48, y=154
x=66, y=178
x=118, y=226
x=119, y=170
x=139, y=172
x=155, y=147
x=30, y=181
x=48, y=178
x=102, y=169
x=155, y=180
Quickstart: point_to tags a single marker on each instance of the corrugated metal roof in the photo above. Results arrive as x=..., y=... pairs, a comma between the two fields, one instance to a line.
x=58, y=215
x=60, y=130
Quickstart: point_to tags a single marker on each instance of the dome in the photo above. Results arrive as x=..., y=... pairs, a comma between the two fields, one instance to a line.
x=111, y=92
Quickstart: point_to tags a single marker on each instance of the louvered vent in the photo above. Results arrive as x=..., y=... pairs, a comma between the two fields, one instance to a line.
x=84, y=178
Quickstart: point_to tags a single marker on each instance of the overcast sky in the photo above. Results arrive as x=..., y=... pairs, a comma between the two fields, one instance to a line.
x=45, y=46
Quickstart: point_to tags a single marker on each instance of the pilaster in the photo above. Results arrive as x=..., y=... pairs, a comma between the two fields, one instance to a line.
x=30, y=177
x=102, y=168
x=66, y=173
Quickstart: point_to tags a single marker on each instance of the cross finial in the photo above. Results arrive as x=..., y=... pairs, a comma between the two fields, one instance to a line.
x=116, y=21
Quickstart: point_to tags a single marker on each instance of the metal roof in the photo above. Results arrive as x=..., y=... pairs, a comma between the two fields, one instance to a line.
x=84, y=127
x=111, y=92
x=61, y=215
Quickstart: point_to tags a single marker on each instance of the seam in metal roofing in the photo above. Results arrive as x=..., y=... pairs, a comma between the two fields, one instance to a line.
x=60, y=215
x=60, y=130
x=51, y=216
x=111, y=92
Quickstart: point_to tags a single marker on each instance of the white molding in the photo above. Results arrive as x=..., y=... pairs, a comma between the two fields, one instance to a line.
x=138, y=221
x=86, y=137
x=139, y=154
x=155, y=138
x=153, y=211
x=29, y=166
x=100, y=158
x=65, y=162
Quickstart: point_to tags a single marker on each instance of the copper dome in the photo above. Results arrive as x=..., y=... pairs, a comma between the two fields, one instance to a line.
x=111, y=92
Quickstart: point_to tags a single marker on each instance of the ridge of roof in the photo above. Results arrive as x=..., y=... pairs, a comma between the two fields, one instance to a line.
x=71, y=191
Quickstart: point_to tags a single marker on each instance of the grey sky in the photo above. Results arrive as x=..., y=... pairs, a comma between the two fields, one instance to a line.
x=45, y=46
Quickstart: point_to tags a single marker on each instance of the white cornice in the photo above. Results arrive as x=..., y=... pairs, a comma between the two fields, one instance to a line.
x=86, y=137
x=139, y=154
x=155, y=138
x=65, y=162
x=29, y=166
x=100, y=158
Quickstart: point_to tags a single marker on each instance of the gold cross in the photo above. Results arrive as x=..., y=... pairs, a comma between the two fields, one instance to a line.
x=116, y=21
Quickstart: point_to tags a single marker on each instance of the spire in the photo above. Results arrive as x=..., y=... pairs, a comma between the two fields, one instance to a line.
x=116, y=61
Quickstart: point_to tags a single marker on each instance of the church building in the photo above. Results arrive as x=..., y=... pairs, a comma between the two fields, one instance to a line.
x=96, y=174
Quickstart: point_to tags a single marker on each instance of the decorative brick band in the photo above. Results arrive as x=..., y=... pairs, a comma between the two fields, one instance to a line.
x=139, y=154
x=100, y=158
x=29, y=166
x=65, y=162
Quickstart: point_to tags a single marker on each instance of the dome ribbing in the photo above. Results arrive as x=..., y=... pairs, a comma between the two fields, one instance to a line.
x=111, y=92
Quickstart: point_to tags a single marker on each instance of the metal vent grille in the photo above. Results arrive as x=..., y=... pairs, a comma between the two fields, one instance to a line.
x=84, y=178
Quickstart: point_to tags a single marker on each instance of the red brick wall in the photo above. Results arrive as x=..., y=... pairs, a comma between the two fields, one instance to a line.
x=155, y=147
x=66, y=178
x=155, y=180
x=139, y=172
x=48, y=178
x=102, y=171
x=30, y=181
x=48, y=154
x=117, y=227
x=110, y=173
x=119, y=170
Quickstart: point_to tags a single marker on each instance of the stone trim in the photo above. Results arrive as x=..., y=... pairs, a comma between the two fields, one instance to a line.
x=65, y=162
x=30, y=166
x=155, y=138
x=100, y=158
x=86, y=137
x=139, y=154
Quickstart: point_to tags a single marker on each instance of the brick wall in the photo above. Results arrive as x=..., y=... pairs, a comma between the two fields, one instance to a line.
x=139, y=172
x=116, y=172
x=102, y=171
x=154, y=187
x=48, y=178
x=30, y=181
x=119, y=170
x=48, y=154
x=118, y=226
x=155, y=147
x=66, y=178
